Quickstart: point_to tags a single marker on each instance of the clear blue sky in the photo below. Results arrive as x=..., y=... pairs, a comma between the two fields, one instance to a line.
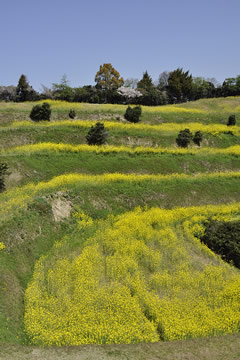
x=45, y=39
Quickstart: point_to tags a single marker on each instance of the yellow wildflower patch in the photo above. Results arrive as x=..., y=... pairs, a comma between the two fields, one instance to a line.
x=113, y=125
x=32, y=148
x=2, y=246
x=141, y=277
x=56, y=104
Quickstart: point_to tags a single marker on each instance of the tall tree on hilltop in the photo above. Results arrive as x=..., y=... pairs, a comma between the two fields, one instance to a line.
x=63, y=91
x=108, y=78
x=180, y=86
x=24, y=91
x=146, y=82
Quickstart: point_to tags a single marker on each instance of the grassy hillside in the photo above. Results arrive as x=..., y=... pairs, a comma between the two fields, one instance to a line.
x=70, y=209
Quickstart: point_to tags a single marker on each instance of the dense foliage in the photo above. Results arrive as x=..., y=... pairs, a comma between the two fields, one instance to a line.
x=231, y=120
x=3, y=170
x=184, y=138
x=97, y=135
x=72, y=114
x=197, y=138
x=133, y=114
x=24, y=92
x=223, y=237
x=172, y=87
x=41, y=112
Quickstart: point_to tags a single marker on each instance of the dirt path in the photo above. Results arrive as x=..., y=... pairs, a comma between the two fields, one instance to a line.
x=216, y=348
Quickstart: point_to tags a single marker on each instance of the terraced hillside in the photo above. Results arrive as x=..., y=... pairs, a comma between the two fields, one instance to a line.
x=101, y=244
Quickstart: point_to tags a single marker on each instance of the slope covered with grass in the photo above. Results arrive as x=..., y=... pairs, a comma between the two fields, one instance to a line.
x=79, y=263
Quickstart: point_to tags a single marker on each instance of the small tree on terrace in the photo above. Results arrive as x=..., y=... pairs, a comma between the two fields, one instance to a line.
x=184, y=138
x=108, y=78
x=41, y=112
x=97, y=135
x=133, y=114
x=198, y=137
x=3, y=170
x=231, y=120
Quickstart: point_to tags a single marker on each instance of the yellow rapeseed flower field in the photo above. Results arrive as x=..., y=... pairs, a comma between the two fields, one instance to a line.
x=139, y=278
x=113, y=125
x=63, y=147
x=55, y=104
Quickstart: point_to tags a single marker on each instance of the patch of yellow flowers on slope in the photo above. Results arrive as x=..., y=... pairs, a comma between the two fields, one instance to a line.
x=62, y=147
x=59, y=104
x=143, y=276
x=214, y=129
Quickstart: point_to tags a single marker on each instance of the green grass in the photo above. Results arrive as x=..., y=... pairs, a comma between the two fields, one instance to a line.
x=214, y=111
x=43, y=166
x=68, y=134
x=31, y=231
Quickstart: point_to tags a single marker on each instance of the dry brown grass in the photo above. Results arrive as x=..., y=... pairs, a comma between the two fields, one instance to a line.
x=215, y=348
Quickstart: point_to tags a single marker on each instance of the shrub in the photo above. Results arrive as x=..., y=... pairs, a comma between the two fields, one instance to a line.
x=198, y=137
x=184, y=138
x=97, y=134
x=72, y=114
x=3, y=170
x=231, y=120
x=224, y=239
x=133, y=114
x=41, y=112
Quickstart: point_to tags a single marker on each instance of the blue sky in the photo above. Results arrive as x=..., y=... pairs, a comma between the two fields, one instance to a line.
x=48, y=38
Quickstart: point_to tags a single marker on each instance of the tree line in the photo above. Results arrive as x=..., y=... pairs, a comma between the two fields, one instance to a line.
x=172, y=87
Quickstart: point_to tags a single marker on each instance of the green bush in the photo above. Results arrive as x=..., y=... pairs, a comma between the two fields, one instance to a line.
x=231, y=120
x=224, y=239
x=72, y=114
x=198, y=137
x=3, y=170
x=184, y=138
x=41, y=112
x=133, y=114
x=97, y=134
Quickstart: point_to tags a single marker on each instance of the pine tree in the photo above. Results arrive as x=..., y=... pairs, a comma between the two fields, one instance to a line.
x=146, y=82
x=97, y=135
x=180, y=86
x=184, y=138
x=24, y=91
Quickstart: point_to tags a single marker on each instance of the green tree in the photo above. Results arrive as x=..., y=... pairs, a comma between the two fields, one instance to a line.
x=72, y=114
x=63, y=91
x=198, y=137
x=41, y=112
x=184, y=138
x=133, y=114
x=151, y=95
x=223, y=237
x=3, y=170
x=108, y=78
x=180, y=86
x=146, y=82
x=97, y=134
x=231, y=120
x=24, y=91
